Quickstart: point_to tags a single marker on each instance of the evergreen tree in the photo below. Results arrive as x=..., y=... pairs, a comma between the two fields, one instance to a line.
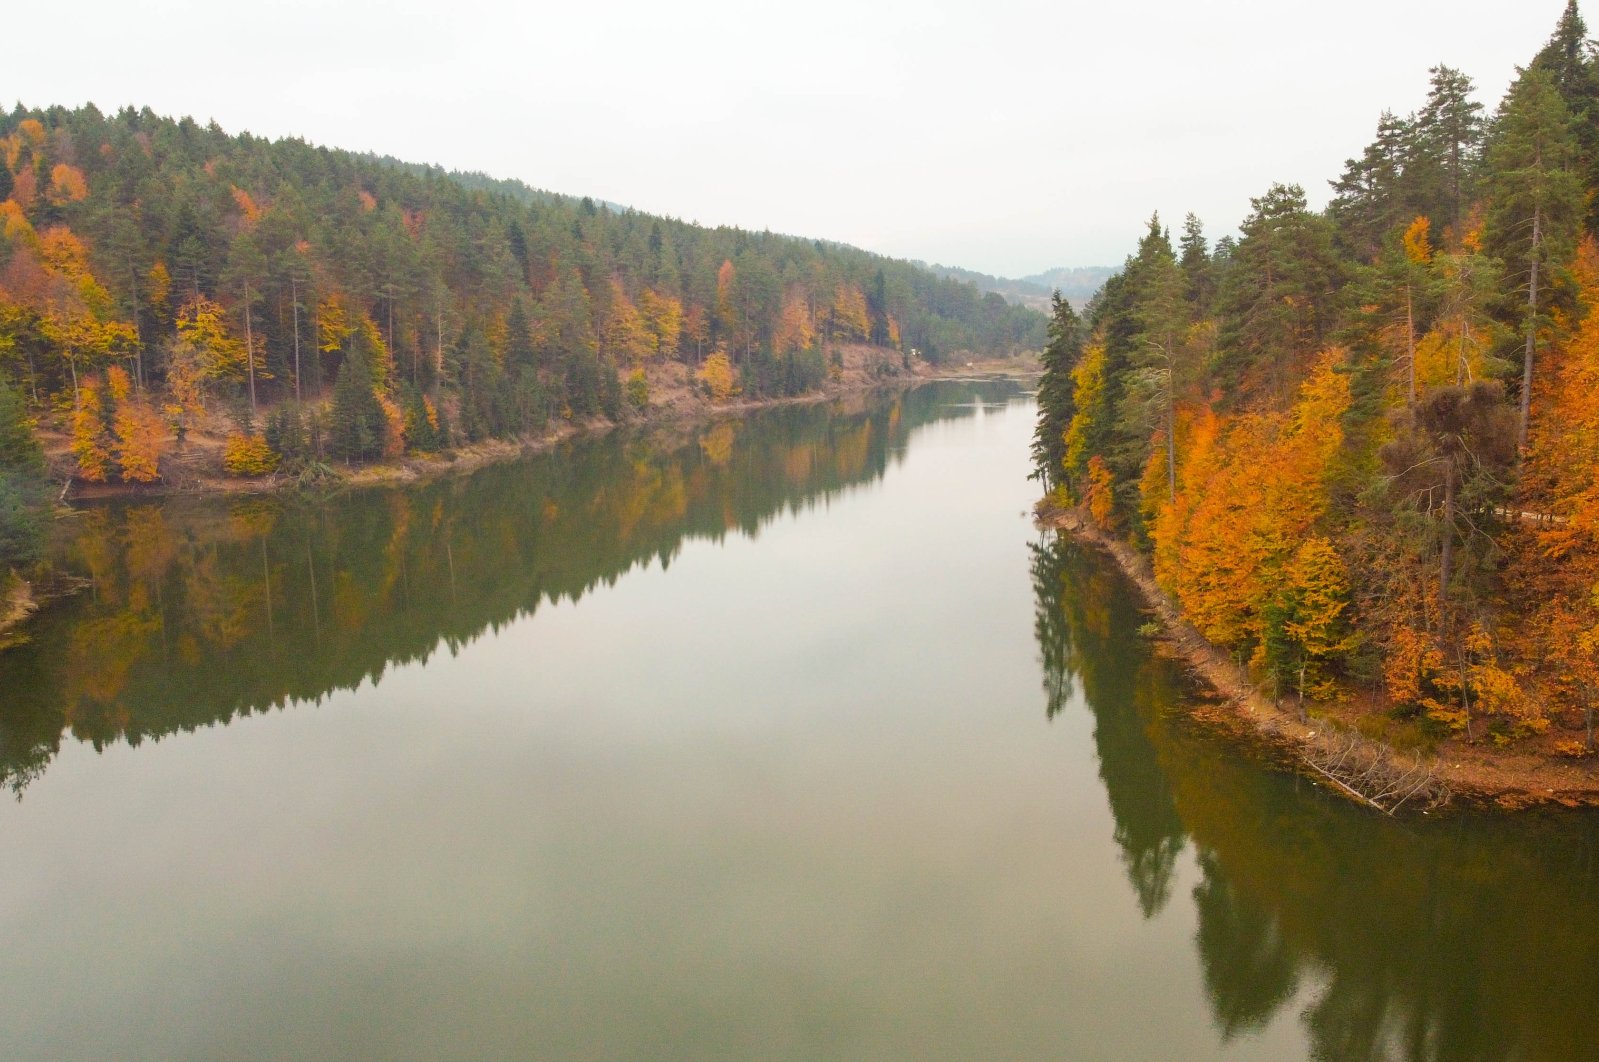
x=1370, y=199
x=1162, y=317
x=1279, y=295
x=1055, y=407
x=1195, y=260
x=22, y=497
x=355, y=425
x=1535, y=205
x=519, y=352
x=1569, y=59
x=1445, y=146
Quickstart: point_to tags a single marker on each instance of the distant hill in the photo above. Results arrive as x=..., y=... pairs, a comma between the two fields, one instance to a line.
x=1078, y=284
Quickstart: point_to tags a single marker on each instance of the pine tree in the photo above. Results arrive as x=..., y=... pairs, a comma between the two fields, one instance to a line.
x=1279, y=295
x=1197, y=266
x=1535, y=203
x=1055, y=407
x=356, y=421
x=1444, y=148
x=1370, y=199
x=1161, y=313
x=1569, y=59
x=22, y=494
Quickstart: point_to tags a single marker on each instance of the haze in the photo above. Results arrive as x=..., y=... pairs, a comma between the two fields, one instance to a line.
x=1006, y=137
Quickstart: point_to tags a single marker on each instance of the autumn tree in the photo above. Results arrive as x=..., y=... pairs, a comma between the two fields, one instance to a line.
x=202, y=325
x=91, y=438
x=1092, y=423
x=719, y=377
x=1306, y=626
x=663, y=319
x=139, y=432
x=848, y=320
x=627, y=336
x=795, y=329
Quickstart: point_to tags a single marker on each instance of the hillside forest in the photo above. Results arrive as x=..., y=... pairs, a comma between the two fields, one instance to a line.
x=1360, y=446
x=159, y=278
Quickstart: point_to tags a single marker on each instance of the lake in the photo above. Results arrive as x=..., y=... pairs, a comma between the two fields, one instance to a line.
x=786, y=736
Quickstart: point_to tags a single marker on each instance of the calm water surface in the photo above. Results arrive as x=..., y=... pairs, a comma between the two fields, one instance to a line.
x=783, y=738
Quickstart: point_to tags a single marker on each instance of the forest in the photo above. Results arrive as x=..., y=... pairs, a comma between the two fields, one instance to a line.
x=159, y=278
x=1360, y=446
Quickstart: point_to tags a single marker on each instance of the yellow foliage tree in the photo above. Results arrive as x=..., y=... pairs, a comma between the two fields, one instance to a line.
x=794, y=329
x=141, y=440
x=332, y=324
x=248, y=455
x=158, y=283
x=91, y=444
x=663, y=317
x=1100, y=496
x=851, y=322
x=625, y=332
x=67, y=184
x=1091, y=411
x=203, y=324
x=719, y=377
x=393, y=426
x=1249, y=493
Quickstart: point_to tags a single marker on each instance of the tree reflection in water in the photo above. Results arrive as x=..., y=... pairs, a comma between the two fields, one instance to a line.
x=1465, y=936
x=201, y=610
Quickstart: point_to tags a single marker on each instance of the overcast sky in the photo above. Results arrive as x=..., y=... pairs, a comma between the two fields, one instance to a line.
x=999, y=135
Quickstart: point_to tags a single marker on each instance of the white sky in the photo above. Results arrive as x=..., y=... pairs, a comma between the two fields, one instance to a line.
x=1005, y=136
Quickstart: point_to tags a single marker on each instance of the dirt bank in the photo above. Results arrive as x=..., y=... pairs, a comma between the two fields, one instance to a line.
x=674, y=397
x=1324, y=746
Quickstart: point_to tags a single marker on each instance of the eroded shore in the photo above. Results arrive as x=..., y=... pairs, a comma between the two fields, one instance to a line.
x=1457, y=772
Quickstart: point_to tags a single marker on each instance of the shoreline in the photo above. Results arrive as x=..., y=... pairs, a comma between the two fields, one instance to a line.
x=1466, y=775
x=22, y=599
x=472, y=456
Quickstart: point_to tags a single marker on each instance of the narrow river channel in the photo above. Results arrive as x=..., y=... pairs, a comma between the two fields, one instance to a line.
x=784, y=737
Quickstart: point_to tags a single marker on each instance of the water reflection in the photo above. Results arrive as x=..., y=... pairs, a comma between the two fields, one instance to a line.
x=1467, y=937
x=200, y=610
x=1085, y=623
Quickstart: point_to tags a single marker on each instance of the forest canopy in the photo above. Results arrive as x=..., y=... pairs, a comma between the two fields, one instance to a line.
x=1361, y=445
x=157, y=274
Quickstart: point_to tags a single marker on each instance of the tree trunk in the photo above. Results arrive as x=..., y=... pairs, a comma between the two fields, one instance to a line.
x=1587, y=714
x=1448, y=551
x=1532, y=329
x=1171, y=434
x=138, y=333
x=1410, y=339
x=249, y=351
x=266, y=577
x=294, y=296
